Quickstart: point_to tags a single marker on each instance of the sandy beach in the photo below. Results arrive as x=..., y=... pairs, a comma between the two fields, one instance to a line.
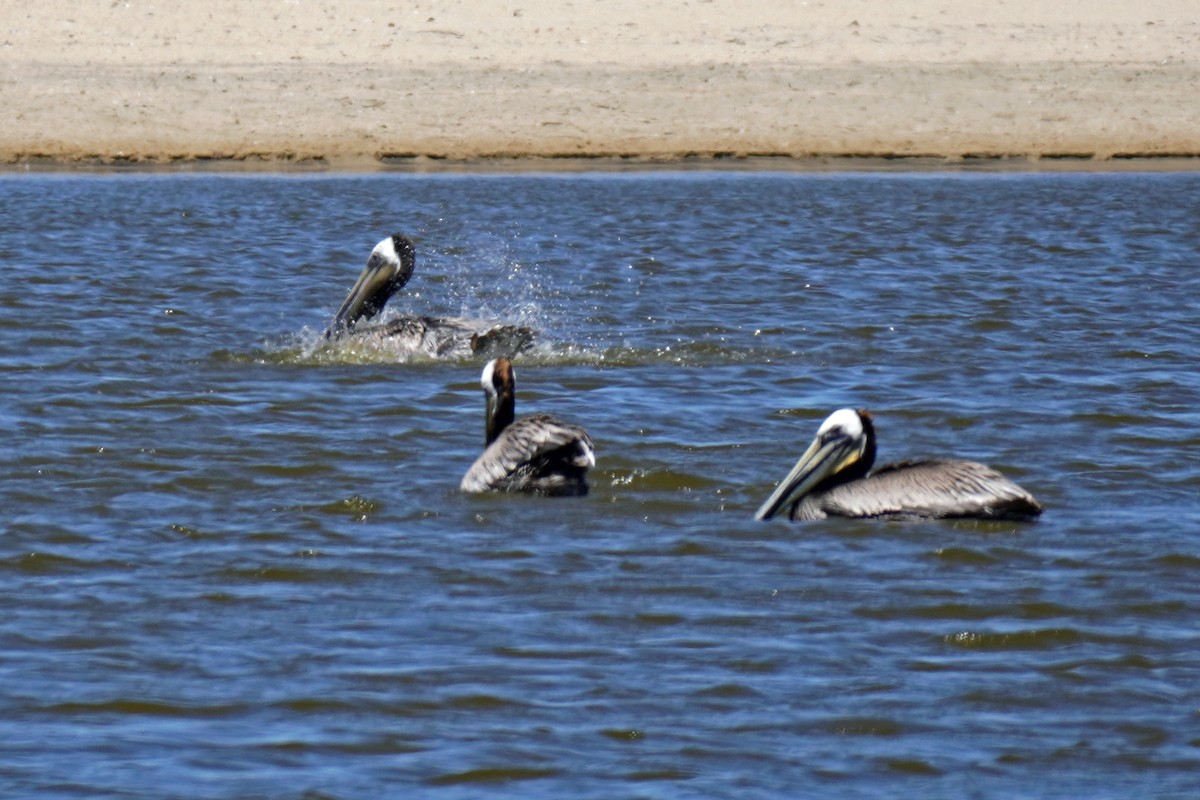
x=369, y=83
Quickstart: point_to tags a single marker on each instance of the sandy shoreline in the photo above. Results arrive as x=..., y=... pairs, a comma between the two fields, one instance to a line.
x=360, y=83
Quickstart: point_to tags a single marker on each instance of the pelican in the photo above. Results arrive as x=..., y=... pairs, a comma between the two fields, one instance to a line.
x=536, y=453
x=834, y=478
x=387, y=271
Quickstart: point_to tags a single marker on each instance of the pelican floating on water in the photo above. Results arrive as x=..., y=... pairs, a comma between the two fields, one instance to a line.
x=834, y=478
x=388, y=269
x=536, y=453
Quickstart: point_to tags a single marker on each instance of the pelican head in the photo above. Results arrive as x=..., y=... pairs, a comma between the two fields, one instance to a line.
x=388, y=268
x=843, y=450
x=499, y=388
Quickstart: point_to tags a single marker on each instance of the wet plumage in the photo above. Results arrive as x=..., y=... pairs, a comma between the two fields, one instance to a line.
x=834, y=478
x=388, y=269
x=537, y=453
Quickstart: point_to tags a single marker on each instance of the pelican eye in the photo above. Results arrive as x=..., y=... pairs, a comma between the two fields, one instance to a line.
x=833, y=433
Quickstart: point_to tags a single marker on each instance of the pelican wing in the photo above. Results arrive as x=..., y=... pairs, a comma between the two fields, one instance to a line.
x=503, y=340
x=930, y=489
x=460, y=337
x=445, y=337
x=536, y=453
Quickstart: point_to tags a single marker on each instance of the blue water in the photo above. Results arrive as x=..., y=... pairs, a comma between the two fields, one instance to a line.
x=235, y=562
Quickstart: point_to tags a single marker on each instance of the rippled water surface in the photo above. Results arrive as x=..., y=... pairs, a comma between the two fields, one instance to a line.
x=236, y=564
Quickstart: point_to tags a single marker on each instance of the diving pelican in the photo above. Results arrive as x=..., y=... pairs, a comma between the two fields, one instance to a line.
x=387, y=271
x=834, y=478
x=536, y=453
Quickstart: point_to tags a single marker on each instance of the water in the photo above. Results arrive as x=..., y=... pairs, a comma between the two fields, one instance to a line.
x=236, y=564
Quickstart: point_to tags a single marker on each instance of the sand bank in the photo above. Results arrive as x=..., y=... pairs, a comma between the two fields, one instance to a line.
x=368, y=81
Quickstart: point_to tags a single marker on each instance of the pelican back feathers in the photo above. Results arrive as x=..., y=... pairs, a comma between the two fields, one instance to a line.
x=934, y=489
x=536, y=453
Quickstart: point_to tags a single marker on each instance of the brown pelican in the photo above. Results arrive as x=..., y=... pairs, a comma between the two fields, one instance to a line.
x=388, y=269
x=833, y=478
x=536, y=453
